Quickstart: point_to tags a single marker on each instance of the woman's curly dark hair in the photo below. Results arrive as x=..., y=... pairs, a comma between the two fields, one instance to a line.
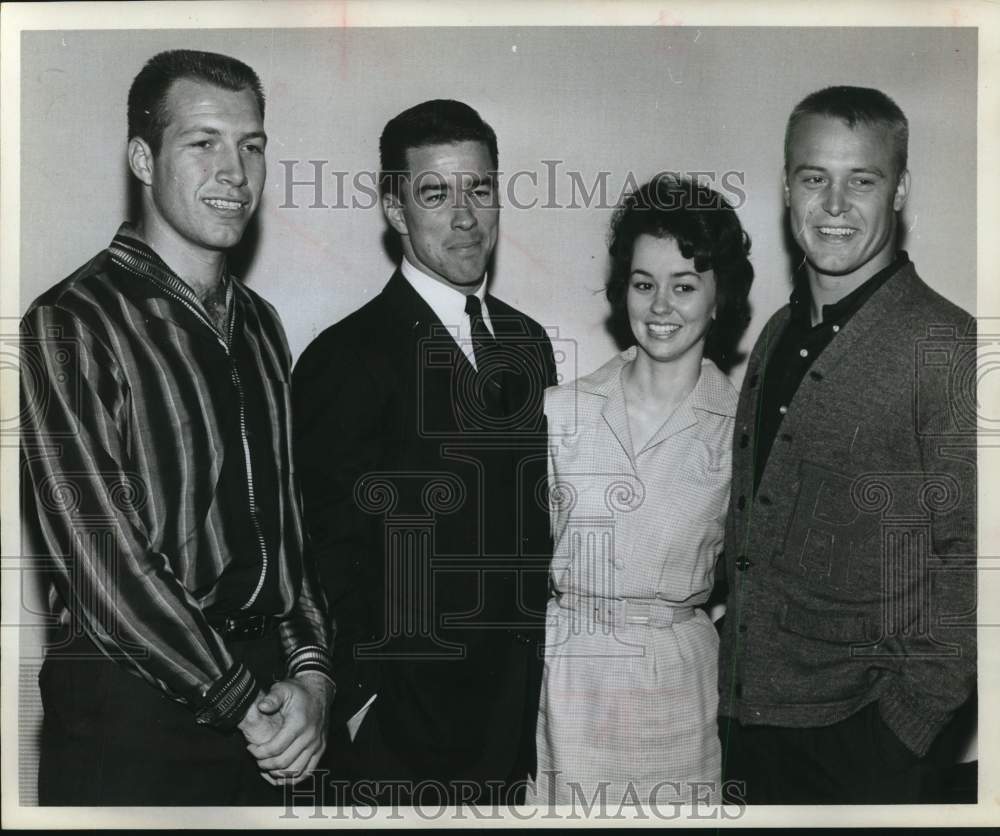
x=707, y=230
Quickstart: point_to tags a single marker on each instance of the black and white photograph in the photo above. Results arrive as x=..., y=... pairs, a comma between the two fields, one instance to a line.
x=434, y=414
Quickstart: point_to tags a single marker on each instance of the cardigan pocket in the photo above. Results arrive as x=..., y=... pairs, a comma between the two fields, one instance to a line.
x=830, y=543
x=838, y=628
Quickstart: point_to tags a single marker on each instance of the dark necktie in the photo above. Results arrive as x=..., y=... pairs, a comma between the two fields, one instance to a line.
x=483, y=342
x=489, y=364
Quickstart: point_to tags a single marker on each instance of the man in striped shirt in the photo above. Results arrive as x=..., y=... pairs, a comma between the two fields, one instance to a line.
x=158, y=483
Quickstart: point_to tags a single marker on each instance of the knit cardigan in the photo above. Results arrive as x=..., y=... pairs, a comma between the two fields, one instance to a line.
x=852, y=572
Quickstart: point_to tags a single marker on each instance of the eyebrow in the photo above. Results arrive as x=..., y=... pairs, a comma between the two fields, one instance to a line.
x=205, y=129
x=480, y=181
x=679, y=275
x=856, y=170
x=433, y=187
x=444, y=182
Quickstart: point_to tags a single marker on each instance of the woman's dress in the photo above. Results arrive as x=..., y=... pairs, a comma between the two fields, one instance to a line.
x=629, y=694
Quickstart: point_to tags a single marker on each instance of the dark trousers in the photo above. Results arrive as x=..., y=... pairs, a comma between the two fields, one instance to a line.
x=856, y=761
x=109, y=738
x=380, y=768
x=367, y=772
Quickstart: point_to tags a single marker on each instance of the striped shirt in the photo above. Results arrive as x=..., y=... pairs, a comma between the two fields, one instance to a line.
x=158, y=450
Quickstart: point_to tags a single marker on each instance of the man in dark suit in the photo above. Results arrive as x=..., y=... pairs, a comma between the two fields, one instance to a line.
x=420, y=443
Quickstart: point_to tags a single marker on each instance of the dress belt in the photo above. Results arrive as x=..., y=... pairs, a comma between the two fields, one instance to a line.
x=652, y=612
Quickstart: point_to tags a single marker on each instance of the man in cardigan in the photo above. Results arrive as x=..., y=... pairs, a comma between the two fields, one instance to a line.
x=849, y=640
x=158, y=482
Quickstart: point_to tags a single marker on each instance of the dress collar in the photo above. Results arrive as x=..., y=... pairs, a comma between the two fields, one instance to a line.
x=712, y=393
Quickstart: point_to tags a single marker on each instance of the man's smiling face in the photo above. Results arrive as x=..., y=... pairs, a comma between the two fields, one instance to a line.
x=448, y=214
x=843, y=192
x=207, y=177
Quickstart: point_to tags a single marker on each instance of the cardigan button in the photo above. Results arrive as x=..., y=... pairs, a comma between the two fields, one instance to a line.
x=744, y=441
x=743, y=564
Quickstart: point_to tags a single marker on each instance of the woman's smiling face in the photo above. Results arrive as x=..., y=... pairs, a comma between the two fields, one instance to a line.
x=670, y=304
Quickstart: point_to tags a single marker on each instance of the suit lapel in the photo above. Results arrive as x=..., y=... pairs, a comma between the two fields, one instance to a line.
x=415, y=324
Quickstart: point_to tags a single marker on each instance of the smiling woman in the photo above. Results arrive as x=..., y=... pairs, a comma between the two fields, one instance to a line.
x=707, y=244
x=670, y=304
x=629, y=692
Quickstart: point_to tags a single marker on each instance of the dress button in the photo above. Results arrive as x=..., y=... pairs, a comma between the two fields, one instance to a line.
x=619, y=564
x=783, y=409
x=803, y=353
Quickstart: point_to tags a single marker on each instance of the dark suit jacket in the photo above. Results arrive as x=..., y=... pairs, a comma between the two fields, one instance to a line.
x=428, y=522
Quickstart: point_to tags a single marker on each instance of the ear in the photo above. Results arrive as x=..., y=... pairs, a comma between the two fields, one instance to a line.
x=902, y=191
x=140, y=160
x=392, y=206
x=784, y=188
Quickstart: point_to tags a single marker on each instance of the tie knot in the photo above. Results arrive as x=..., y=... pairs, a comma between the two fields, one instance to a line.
x=473, y=307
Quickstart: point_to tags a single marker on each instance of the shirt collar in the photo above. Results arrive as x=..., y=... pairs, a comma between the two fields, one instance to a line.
x=447, y=303
x=133, y=254
x=130, y=250
x=801, y=298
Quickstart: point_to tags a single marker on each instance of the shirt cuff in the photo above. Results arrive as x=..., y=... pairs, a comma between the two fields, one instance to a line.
x=225, y=703
x=312, y=658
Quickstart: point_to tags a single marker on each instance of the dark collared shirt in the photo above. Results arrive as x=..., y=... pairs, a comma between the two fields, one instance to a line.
x=158, y=448
x=797, y=348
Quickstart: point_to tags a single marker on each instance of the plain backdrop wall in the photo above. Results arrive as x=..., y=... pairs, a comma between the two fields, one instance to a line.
x=625, y=101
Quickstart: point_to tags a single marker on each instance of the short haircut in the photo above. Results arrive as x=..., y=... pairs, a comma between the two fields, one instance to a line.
x=707, y=230
x=854, y=106
x=147, y=98
x=435, y=122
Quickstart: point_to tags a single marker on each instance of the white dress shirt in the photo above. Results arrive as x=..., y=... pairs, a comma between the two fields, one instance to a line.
x=448, y=305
